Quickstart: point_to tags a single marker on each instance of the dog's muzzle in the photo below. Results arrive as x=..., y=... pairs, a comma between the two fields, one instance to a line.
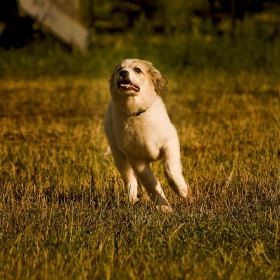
x=125, y=83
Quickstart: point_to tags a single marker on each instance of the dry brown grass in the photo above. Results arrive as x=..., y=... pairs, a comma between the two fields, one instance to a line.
x=63, y=209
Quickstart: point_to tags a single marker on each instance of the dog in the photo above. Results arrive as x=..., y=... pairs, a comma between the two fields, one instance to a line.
x=140, y=132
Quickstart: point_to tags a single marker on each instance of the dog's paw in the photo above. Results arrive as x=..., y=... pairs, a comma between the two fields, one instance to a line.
x=134, y=201
x=108, y=151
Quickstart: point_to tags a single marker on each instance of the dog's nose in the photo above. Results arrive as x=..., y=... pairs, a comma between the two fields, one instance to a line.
x=123, y=73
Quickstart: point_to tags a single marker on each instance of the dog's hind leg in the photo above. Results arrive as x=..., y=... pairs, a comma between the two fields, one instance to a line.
x=173, y=168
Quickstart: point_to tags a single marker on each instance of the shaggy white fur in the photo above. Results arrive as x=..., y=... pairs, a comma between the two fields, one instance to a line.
x=139, y=131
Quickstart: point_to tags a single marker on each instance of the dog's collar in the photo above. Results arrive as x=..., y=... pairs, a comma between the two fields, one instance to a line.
x=138, y=113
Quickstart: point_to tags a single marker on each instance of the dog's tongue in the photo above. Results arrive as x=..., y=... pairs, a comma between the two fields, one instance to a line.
x=130, y=86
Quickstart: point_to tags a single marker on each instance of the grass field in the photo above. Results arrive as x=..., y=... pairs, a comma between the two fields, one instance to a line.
x=63, y=209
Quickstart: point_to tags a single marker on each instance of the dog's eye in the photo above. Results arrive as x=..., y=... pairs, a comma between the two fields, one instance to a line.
x=118, y=70
x=138, y=70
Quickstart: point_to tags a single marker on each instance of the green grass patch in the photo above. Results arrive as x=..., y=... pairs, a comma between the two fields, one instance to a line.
x=64, y=212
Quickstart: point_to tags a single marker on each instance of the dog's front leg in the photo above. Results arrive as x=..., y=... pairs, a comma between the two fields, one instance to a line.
x=127, y=173
x=145, y=175
x=129, y=179
x=173, y=168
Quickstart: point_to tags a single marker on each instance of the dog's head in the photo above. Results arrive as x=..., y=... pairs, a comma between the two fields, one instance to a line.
x=134, y=77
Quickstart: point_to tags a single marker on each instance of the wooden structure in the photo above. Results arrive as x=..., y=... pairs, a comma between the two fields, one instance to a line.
x=60, y=17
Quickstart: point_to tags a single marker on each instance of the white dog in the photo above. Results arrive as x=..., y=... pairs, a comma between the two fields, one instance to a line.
x=139, y=131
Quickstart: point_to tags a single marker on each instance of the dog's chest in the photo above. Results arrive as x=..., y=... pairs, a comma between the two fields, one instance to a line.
x=137, y=137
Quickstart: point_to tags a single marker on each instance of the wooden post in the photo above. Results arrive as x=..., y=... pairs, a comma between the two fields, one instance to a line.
x=62, y=24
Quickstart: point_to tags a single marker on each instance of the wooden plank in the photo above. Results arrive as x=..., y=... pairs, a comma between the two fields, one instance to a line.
x=70, y=7
x=67, y=29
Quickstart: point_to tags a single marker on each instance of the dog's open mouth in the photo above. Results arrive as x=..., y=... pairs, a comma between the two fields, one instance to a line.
x=127, y=85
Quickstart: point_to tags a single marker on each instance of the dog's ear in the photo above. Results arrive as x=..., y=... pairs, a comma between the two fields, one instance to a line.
x=157, y=79
x=160, y=84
